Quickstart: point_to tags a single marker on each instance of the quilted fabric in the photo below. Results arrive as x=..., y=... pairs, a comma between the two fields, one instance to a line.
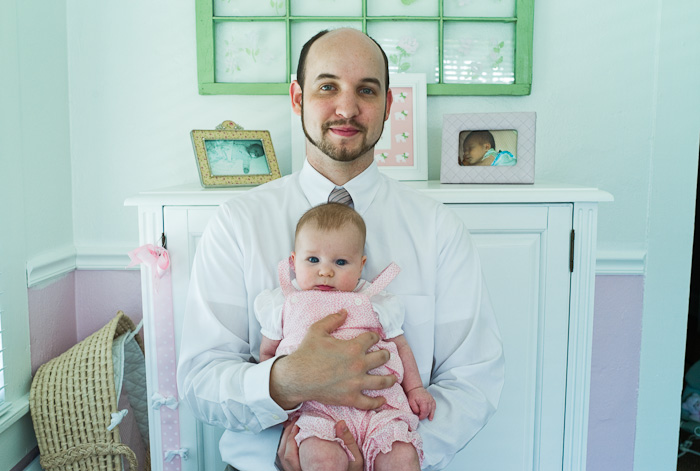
x=130, y=365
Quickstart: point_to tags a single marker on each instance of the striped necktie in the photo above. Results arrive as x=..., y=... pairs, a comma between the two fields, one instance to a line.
x=340, y=195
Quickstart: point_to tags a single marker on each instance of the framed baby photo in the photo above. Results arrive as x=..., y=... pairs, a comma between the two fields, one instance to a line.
x=402, y=149
x=488, y=148
x=231, y=156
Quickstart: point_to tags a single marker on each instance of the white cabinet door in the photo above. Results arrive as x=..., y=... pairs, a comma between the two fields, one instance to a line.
x=525, y=256
x=524, y=250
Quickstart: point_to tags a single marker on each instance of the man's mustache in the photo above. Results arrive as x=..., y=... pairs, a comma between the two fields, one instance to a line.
x=343, y=122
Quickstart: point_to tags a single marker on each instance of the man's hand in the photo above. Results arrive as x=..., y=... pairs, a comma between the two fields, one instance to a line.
x=342, y=432
x=288, y=452
x=422, y=403
x=329, y=370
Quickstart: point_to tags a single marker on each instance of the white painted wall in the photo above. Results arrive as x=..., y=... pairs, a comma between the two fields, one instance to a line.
x=35, y=183
x=673, y=173
x=43, y=120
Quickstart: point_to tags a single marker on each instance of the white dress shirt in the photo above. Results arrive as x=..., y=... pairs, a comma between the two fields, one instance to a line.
x=449, y=321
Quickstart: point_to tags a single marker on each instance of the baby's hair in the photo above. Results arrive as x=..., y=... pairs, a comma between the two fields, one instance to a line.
x=332, y=216
x=256, y=150
x=482, y=137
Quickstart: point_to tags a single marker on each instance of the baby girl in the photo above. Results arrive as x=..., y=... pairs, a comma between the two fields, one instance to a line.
x=327, y=260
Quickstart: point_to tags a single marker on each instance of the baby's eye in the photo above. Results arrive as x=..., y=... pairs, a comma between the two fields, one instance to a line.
x=341, y=262
x=313, y=259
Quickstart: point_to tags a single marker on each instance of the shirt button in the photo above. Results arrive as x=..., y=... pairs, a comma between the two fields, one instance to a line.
x=294, y=299
x=358, y=301
x=275, y=416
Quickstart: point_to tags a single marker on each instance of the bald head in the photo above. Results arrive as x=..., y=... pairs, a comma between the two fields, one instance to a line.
x=338, y=41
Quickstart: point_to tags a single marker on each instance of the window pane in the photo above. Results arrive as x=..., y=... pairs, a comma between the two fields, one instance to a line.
x=480, y=8
x=252, y=51
x=477, y=53
x=411, y=46
x=402, y=7
x=303, y=30
x=248, y=8
x=327, y=8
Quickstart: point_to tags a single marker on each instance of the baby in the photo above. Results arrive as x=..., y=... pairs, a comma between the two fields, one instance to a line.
x=328, y=258
x=479, y=149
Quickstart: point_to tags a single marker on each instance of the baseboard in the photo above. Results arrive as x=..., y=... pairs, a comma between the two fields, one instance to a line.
x=54, y=264
x=34, y=465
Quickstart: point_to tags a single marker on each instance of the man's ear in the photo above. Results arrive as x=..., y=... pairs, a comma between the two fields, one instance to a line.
x=295, y=95
x=389, y=101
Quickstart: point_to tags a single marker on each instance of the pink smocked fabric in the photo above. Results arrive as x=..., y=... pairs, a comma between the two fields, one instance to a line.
x=374, y=431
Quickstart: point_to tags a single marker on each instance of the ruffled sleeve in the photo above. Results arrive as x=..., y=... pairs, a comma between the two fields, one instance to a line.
x=391, y=313
x=268, y=311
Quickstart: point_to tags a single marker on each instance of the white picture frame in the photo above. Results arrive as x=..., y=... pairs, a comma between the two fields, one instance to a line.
x=399, y=134
x=520, y=156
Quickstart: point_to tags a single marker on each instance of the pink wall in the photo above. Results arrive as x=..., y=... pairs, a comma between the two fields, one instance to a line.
x=100, y=294
x=51, y=320
x=617, y=333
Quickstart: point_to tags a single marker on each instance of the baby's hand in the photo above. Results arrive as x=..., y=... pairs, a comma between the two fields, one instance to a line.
x=422, y=403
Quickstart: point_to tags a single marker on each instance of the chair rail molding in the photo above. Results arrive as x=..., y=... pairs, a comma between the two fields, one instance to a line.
x=46, y=267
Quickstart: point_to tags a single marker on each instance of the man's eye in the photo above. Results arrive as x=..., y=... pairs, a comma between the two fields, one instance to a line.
x=341, y=262
x=327, y=88
x=313, y=259
x=367, y=91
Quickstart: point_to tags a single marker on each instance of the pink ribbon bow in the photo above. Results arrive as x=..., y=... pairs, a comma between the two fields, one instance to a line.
x=155, y=257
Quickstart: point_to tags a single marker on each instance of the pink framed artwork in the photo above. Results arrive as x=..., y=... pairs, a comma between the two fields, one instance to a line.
x=401, y=152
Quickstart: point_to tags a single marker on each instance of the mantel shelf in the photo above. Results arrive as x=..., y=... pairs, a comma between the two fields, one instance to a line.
x=542, y=192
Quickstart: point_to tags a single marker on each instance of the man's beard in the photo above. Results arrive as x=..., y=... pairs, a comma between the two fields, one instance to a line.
x=336, y=153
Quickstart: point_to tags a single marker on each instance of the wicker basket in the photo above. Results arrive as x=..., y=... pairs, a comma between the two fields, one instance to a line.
x=72, y=398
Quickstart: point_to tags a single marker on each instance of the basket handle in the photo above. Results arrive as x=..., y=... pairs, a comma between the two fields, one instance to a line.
x=81, y=452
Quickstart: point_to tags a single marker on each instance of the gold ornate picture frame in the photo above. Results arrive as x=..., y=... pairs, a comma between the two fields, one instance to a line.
x=231, y=156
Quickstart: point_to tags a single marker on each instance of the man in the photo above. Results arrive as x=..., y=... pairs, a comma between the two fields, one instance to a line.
x=343, y=98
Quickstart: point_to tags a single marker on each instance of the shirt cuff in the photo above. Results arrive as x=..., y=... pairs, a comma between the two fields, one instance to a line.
x=256, y=387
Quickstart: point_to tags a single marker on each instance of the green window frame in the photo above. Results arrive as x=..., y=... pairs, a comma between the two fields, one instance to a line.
x=520, y=83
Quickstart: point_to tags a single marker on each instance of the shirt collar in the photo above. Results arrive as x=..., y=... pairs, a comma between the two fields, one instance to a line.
x=362, y=188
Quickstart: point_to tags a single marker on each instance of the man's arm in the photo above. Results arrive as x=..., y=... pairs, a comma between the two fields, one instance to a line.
x=468, y=369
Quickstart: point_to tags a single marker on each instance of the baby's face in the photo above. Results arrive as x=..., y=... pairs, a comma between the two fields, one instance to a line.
x=328, y=260
x=473, y=151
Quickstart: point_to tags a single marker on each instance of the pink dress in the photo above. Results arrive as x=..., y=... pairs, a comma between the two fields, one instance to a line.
x=374, y=431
